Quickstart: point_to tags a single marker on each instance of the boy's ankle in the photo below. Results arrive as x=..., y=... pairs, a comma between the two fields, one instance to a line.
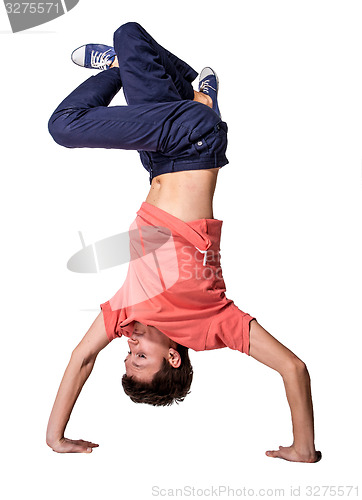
x=114, y=63
x=203, y=98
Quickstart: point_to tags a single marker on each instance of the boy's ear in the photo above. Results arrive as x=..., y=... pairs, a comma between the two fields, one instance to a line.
x=174, y=357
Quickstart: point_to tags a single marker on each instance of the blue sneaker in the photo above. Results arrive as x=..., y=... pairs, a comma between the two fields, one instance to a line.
x=209, y=84
x=94, y=56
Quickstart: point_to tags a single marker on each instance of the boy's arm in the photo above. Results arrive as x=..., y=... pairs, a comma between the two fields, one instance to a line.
x=78, y=370
x=267, y=350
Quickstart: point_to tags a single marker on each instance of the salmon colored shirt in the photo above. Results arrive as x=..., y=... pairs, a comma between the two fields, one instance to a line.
x=174, y=283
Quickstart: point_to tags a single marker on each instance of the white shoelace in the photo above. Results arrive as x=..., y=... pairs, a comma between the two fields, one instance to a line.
x=205, y=86
x=100, y=60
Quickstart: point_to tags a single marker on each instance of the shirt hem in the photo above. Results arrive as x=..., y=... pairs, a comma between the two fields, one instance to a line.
x=110, y=320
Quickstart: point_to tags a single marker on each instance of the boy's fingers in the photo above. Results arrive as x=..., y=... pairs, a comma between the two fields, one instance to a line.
x=88, y=448
x=88, y=443
x=281, y=453
x=80, y=448
x=74, y=446
x=272, y=453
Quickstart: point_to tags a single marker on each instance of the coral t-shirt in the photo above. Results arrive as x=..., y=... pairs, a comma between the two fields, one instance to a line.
x=175, y=283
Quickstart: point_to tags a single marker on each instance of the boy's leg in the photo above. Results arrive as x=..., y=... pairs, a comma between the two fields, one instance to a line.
x=150, y=73
x=84, y=119
x=174, y=135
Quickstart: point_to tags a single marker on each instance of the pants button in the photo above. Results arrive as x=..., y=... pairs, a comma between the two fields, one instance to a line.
x=199, y=143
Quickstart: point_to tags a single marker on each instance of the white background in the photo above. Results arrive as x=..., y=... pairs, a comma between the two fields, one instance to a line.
x=290, y=91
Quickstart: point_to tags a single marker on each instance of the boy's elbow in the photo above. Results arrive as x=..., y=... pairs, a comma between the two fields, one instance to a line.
x=295, y=367
x=83, y=357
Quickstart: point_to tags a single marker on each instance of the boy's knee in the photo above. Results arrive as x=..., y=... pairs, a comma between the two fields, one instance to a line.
x=53, y=129
x=125, y=30
x=59, y=129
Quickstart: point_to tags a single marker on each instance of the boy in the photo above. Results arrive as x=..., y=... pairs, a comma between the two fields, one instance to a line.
x=174, y=294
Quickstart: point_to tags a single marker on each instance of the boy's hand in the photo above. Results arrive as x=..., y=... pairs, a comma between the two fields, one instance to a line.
x=65, y=445
x=292, y=455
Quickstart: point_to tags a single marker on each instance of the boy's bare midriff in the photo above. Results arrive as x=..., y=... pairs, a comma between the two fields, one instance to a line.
x=186, y=195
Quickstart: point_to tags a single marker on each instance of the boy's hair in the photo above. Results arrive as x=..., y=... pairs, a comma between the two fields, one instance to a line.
x=168, y=384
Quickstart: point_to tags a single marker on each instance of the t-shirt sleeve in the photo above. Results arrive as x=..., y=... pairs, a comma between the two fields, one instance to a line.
x=231, y=326
x=111, y=319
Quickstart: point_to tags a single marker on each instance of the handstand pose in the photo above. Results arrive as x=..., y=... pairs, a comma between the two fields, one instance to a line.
x=173, y=297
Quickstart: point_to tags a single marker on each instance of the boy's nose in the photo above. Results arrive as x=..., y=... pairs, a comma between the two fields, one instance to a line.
x=132, y=340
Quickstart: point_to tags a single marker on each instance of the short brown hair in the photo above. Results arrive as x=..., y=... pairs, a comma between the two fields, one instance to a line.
x=168, y=385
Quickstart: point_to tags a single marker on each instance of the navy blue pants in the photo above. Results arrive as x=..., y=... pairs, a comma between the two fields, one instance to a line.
x=170, y=131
